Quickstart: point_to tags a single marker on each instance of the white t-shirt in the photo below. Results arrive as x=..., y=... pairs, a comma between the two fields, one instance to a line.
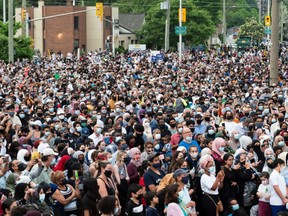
x=207, y=183
x=265, y=190
x=277, y=179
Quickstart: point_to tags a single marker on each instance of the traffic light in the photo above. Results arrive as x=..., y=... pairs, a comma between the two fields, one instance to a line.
x=183, y=14
x=99, y=10
x=267, y=21
x=23, y=14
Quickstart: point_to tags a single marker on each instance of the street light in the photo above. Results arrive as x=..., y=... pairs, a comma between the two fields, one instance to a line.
x=224, y=20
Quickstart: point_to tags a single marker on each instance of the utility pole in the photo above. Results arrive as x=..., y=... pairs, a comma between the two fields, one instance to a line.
x=24, y=18
x=281, y=21
x=113, y=36
x=275, y=43
x=224, y=22
x=180, y=35
x=268, y=14
x=4, y=11
x=10, y=31
x=260, y=10
x=167, y=29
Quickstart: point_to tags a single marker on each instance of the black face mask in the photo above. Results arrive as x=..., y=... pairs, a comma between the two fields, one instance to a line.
x=63, y=182
x=21, y=167
x=215, y=113
x=39, y=114
x=280, y=119
x=162, y=126
x=199, y=121
x=27, y=157
x=286, y=138
x=173, y=125
x=207, y=119
x=108, y=173
x=192, y=129
x=81, y=161
x=270, y=165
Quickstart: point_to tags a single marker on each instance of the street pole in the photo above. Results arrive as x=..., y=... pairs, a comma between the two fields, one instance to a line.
x=268, y=14
x=281, y=21
x=24, y=19
x=260, y=10
x=224, y=22
x=10, y=31
x=180, y=35
x=4, y=11
x=167, y=29
x=275, y=43
x=113, y=36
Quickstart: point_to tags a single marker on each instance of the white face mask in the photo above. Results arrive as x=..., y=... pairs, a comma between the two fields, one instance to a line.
x=157, y=136
x=42, y=197
x=180, y=130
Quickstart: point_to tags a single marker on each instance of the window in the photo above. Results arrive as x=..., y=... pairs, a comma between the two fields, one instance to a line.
x=107, y=23
x=76, y=22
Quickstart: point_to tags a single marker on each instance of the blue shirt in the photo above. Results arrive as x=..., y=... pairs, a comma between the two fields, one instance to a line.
x=200, y=129
x=188, y=145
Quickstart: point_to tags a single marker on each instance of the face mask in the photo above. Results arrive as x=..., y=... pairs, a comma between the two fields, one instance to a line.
x=281, y=143
x=56, y=127
x=107, y=140
x=98, y=117
x=235, y=207
x=61, y=117
x=157, y=136
x=180, y=130
x=180, y=195
x=261, y=108
x=11, y=114
x=118, y=110
x=116, y=210
x=199, y=121
x=221, y=148
x=207, y=119
x=185, y=179
x=265, y=182
x=21, y=167
x=48, y=119
x=47, y=133
x=273, y=120
x=156, y=166
x=77, y=112
x=63, y=182
x=194, y=155
x=21, y=115
x=146, y=124
x=281, y=119
x=104, y=111
x=211, y=169
x=140, y=196
x=108, y=173
x=118, y=138
x=53, y=162
x=81, y=161
x=98, y=130
x=27, y=157
x=26, y=110
x=210, y=132
x=81, y=95
x=41, y=197
x=188, y=139
x=236, y=136
x=266, y=111
x=79, y=129
x=51, y=109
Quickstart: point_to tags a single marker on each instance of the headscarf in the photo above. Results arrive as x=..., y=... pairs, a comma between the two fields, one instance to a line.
x=206, y=151
x=61, y=164
x=245, y=141
x=20, y=191
x=204, y=160
x=216, y=144
x=77, y=153
x=132, y=154
x=11, y=181
x=20, y=155
x=147, y=130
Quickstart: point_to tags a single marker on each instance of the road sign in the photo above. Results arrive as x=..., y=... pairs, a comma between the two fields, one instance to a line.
x=267, y=30
x=180, y=30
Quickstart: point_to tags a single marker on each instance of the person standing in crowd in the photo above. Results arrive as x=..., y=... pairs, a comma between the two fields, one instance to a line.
x=135, y=162
x=263, y=193
x=134, y=206
x=278, y=195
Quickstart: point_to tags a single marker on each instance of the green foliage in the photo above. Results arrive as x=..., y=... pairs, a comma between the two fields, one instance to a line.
x=22, y=45
x=199, y=26
x=238, y=11
x=214, y=8
x=252, y=29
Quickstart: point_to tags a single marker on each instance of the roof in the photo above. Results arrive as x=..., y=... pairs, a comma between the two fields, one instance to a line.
x=133, y=22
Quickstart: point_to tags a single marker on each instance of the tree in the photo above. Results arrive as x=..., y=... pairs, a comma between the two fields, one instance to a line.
x=22, y=44
x=252, y=28
x=199, y=26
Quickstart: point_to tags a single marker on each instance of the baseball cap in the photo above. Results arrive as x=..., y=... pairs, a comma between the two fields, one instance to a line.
x=152, y=156
x=85, y=132
x=179, y=172
x=38, y=123
x=48, y=151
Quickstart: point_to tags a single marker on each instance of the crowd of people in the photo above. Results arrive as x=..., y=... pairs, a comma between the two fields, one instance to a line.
x=129, y=136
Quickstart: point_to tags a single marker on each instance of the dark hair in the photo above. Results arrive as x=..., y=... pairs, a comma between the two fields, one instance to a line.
x=170, y=196
x=134, y=188
x=149, y=197
x=226, y=156
x=90, y=191
x=6, y=205
x=106, y=206
x=19, y=211
x=277, y=161
x=264, y=175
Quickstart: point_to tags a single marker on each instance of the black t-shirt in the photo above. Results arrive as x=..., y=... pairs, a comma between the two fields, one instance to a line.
x=133, y=209
x=150, y=178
